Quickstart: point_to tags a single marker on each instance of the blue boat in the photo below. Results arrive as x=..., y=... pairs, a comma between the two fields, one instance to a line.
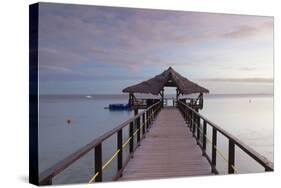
x=119, y=107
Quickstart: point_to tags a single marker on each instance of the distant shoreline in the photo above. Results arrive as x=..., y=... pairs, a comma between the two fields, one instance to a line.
x=125, y=96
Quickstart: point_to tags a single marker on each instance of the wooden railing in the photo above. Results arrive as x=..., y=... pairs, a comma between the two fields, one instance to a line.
x=143, y=121
x=199, y=131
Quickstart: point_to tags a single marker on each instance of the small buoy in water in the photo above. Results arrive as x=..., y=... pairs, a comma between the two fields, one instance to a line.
x=68, y=121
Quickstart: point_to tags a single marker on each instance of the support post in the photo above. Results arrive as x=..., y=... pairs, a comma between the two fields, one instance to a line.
x=214, y=151
x=131, y=133
x=147, y=120
x=177, y=96
x=98, y=162
x=204, y=136
x=130, y=100
x=190, y=120
x=136, y=112
x=198, y=128
x=193, y=124
x=143, y=125
x=138, y=128
x=120, y=154
x=162, y=97
x=231, y=156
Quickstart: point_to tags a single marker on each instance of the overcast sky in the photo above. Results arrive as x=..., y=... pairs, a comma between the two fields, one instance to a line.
x=95, y=50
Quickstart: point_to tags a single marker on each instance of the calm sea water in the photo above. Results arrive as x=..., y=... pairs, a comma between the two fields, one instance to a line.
x=250, y=118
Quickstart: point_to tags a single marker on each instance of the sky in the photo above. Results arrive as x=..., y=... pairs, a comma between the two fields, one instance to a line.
x=102, y=50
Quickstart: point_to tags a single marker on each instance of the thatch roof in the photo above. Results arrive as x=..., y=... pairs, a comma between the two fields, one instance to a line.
x=167, y=78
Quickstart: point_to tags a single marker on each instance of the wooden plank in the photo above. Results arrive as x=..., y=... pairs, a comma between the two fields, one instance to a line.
x=169, y=150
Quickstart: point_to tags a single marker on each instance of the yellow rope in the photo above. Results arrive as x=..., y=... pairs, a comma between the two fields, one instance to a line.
x=136, y=132
x=110, y=160
x=219, y=151
x=127, y=141
x=94, y=177
x=116, y=153
x=105, y=165
x=234, y=168
x=221, y=154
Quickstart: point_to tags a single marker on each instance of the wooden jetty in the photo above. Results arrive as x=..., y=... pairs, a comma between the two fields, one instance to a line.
x=169, y=150
x=170, y=141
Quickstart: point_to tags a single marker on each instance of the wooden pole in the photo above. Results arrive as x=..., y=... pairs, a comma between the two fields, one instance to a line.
x=98, y=162
x=131, y=134
x=204, y=136
x=120, y=154
x=198, y=128
x=162, y=96
x=139, y=131
x=231, y=156
x=214, y=151
x=143, y=124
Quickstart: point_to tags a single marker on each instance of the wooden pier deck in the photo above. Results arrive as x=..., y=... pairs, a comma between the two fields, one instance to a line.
x=169, y=150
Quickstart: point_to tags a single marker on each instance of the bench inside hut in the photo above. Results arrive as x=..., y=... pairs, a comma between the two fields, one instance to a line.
x=155, y=86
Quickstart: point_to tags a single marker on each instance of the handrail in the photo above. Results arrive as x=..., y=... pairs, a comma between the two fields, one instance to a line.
x=218, y=150
x=268, y=165
x=46, y=176
x=115, y=154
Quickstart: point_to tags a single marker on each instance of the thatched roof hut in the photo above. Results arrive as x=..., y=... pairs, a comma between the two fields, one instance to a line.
x=169, y=78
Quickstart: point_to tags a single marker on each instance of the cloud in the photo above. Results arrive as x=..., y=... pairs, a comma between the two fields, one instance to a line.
x=241, y=32
x=247, y=68
x=244, y=31
x=249, y=80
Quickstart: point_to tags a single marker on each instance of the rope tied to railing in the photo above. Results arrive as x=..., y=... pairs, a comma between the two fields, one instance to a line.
x=117, y=151
x=220, y=152
x=112, y=157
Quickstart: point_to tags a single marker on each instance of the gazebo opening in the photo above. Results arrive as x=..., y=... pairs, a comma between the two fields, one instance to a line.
x=170, y=94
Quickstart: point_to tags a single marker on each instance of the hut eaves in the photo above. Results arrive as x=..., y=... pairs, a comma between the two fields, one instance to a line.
x=167, y=78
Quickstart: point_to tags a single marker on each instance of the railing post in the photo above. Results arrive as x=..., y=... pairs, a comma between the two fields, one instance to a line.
x=185, y=115
x=120, y=148
x=131, y=134
x=185, y=112
x=193, y=123
x=204, y=136
x=138, y=128
x=198, y=128
x=231, y=156
x=98, y=162
x=190, y=120
x=143, y=125
x=152, y=118
x=147, y=120
x=214, y=151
